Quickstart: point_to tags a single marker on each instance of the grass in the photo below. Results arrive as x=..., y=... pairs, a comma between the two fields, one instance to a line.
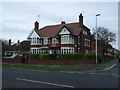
x=45, y=68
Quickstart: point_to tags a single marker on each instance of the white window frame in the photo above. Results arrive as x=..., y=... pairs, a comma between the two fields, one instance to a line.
x=54, y=40
x=87, y=42
x=65, y=50
x=46, y=41
x=67, y=39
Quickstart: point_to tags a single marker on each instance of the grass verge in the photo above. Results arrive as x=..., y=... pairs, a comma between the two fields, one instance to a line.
x=45, y=68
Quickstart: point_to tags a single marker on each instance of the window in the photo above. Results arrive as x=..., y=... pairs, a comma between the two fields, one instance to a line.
x=87, y=42
x=67, y=39
x=36, y=41
x=86, y=51
x=65, y=50
x=54, y=40
x=85, y=32
x=78, y=39
x=40, y=41
x=46, y=41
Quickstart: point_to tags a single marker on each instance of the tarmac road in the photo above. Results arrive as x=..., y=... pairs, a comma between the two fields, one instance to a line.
x=13, y=78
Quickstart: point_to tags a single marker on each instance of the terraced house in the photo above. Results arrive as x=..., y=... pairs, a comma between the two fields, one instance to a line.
x=61, y=38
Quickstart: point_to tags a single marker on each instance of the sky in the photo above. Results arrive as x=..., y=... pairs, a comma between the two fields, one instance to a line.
x=18, y=17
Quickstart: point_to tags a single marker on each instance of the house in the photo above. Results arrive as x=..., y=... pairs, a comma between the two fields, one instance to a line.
x=15, y=49
x=61, y=38
x=116, y=52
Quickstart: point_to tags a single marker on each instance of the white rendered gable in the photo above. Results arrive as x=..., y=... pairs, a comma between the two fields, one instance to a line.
x=64, y=31
x=33, y=34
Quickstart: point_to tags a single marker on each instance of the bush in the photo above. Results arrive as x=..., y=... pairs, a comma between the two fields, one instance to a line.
x=25, y=53
x=93, y=56
x=71, y=56
x=90, y=56
x=44, y=56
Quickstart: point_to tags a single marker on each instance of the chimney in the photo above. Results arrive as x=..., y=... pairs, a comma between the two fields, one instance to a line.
x=36, y=25
x=18, y=42
x=9, y=42
x=63, y=22
x=81, y=20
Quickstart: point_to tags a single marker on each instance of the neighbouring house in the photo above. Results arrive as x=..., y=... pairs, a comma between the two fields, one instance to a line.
x=61, y=38
x=15, y=49
x=102, y=48
x=116, y=52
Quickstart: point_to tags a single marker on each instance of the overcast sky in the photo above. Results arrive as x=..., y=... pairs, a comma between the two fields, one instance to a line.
x=18, y=17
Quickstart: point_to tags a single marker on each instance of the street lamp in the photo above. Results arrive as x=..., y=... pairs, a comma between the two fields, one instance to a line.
x=96, y=38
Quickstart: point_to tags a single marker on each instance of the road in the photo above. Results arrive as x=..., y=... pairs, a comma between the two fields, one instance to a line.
x=13, y=78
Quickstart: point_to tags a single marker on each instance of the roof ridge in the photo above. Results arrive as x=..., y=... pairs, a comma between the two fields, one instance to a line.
x=58, y=25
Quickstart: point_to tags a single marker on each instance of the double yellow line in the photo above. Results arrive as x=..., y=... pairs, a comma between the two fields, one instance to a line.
x=109, y=67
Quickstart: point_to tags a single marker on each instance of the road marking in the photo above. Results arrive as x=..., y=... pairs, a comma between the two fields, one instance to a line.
x=80, y=73
x=114, y=74
x=107, y=68
x=71, y=72
x=92, y=73
x=102, y=74
x=45, y=83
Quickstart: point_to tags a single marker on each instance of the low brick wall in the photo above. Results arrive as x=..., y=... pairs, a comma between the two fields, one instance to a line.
x=11, y=61
x=61, y=62
x=56, y=62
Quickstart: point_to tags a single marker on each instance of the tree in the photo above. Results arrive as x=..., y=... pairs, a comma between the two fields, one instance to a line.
x=105, y=36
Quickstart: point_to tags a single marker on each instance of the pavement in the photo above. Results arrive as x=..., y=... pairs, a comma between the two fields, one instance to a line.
x=90, y=67
x=99, y=66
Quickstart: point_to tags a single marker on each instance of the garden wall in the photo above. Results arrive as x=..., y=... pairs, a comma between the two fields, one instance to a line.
x=55, y=62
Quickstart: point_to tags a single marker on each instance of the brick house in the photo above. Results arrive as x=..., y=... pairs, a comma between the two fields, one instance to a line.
x=13, y=50
x=61, y=38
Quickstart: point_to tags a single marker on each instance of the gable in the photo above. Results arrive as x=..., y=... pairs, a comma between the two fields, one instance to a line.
x=64, y=31
x=33, y=34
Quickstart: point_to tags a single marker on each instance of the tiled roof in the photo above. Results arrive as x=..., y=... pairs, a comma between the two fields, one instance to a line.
x=53, y=30
x=23, y=46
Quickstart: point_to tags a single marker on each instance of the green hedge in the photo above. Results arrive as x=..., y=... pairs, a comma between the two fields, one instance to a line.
x=93, y=56
x=72, y=56
x=40, y=56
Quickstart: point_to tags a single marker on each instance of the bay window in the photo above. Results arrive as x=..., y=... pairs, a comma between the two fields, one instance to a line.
x=67, y=39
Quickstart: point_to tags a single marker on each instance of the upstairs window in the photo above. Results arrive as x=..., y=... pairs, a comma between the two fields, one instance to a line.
x=87, y=42
x=54, y=40
x=46, y=41
x=67, y=39
x=35, y=41
x=85, y=32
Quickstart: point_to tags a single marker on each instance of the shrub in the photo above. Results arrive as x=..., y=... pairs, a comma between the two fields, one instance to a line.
x=102, y=56
x=71, y=56
x=93, y=56
x=44, y=56
x=34, y=56
x=90, y=56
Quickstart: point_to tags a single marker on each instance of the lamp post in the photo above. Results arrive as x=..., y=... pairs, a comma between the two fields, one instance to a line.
x=96, y=38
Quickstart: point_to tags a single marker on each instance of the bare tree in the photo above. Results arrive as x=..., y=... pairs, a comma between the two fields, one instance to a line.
x=105, y=36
